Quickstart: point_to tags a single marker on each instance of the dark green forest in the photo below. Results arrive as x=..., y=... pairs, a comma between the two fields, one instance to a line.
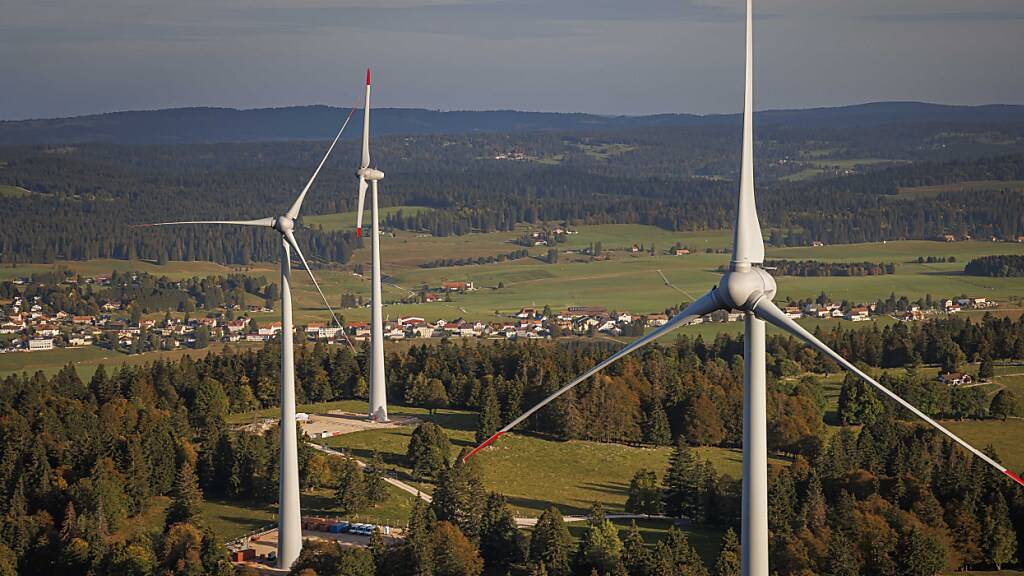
x=85, y=197
x=79, y=459
x=1008, y=266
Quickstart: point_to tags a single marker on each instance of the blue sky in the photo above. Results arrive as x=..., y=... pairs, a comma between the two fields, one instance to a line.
x=64, y=57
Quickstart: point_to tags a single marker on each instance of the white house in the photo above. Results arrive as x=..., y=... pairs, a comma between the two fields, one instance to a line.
x=37, y=344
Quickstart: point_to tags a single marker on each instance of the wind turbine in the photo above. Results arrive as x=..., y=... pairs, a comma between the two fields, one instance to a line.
x=749, y=288
x=289, y=516
x=378, y=389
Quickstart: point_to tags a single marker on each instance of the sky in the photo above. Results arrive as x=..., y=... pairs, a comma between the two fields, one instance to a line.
x=73, y=57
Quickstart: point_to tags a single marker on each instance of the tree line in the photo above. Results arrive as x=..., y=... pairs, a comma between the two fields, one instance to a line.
x=85, y=197
x=1006, y=266
x=818, y=268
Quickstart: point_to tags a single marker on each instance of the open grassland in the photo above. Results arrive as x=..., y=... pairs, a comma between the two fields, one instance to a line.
x=533, y=472
x=231, y=519
x=820, y=166
x=88, y=358
x=622, y=282
x=969, y=186
x=175, y=270
x=7, y=191
x=1004, y=436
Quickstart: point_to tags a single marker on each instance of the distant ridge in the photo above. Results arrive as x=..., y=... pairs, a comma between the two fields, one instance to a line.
x=207, y=125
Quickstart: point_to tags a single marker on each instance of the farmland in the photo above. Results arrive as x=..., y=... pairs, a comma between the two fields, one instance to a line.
x=619, y=280
x=623, y=281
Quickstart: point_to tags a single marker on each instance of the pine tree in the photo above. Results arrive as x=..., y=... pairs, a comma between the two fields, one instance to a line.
x=680, y=482
x=656, y=427
x=351, y=493
x=187, y=499
x=418, y=539
x=459, y=497
x=499, y=538
x=551, y=543
x=728, y=563
x=636, y=559
x=490, y=414
x=999, y=540
x=376, y=490
x=685, y=560
x=69, y=527
x=429, y=450
x=600, y=548
x=919, y=554
x=644, y=496
x=841, y=560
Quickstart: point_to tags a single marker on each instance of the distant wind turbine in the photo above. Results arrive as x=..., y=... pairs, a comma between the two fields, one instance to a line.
x=378, y=388
x=289, y=517
x=749, y=288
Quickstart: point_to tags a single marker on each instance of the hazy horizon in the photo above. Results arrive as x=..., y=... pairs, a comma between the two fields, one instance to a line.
x=595, y=56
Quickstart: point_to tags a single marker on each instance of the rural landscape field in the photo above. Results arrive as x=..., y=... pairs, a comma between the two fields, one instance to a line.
x=728, y=303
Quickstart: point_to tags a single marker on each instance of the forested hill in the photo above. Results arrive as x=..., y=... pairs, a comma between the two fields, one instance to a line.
x=206, y=125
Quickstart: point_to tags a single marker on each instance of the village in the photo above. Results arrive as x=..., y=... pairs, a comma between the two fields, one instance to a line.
x=32, y=325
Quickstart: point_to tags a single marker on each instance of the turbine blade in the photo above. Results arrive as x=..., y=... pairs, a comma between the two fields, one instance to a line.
x=366, y=124
x=748, y=245
x=293, y=212
x=295, y=246
x=706, y=304
x=261, y=222
x=769, y=312
x=359, y=212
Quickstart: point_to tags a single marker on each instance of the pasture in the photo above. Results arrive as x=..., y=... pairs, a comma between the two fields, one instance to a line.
x=968, y=186
x=619, y=280
x=533, y=472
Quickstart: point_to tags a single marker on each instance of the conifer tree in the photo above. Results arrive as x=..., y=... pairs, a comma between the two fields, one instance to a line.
x=551, y=543
x=500, y=543
x=490, y=414
x=644, y=496
x=999, y=540
x=636, y=559
x=728, y=563
x=680, y=482
x=351, y=493
x=187, y=498
x=460, y=497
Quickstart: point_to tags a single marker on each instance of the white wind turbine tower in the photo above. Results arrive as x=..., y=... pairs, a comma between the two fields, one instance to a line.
x=747, y=287
x=289, y=516
x=378, y=389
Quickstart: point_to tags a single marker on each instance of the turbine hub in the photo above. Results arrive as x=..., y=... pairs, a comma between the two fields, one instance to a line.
x=744, y=286
x=370, y=174
x=284, y=224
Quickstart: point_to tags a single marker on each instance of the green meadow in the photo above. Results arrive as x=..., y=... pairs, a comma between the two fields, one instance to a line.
x=619, y=280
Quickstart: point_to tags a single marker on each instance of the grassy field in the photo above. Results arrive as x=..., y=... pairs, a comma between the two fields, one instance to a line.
x=1005, y=437
x=88, y=358
x=969, y=186
x=533, y=472
x=820, y=166
x=622, y=282
x=13, y=191
x=231, y=519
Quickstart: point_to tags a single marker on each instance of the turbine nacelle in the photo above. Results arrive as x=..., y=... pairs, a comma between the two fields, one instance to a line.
x=370, y=174
x=744, y=286
x=284, y=224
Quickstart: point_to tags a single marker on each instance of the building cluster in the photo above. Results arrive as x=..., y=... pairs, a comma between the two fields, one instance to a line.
x=945, y=306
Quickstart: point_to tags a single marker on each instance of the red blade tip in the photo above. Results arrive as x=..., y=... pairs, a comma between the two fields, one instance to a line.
x=486, y=443
x=1016, y=478
x=367, y=76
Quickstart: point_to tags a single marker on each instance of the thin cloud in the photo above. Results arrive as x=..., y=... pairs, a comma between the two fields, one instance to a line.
x=992, y=16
